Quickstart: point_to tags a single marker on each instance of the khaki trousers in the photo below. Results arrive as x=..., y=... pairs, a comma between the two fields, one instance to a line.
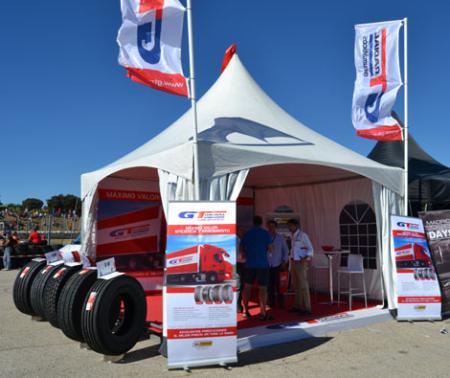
x=299, y=273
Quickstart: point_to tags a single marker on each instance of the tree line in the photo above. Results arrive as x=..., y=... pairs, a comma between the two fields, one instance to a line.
x=57, y=205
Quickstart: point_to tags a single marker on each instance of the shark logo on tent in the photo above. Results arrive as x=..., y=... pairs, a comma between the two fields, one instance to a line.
x=247, y=133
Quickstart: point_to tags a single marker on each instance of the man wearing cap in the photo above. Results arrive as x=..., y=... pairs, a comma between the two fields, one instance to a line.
x=300, y=257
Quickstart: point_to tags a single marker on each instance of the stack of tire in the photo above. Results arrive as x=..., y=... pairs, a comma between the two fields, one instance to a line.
x=108, y=315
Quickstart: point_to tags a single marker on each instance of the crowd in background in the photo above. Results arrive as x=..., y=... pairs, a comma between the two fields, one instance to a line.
x=9, y=241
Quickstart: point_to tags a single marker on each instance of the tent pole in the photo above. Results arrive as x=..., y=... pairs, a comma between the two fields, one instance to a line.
x=193, y=100
x=405, y=129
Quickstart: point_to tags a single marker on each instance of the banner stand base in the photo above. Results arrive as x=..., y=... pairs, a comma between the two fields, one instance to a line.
x=187, y=366
x=419, y=318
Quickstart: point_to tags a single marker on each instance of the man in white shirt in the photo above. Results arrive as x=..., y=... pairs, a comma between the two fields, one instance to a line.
x=300, y=257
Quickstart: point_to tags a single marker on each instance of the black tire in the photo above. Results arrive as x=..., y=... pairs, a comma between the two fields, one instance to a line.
x=53, y=289
x=71, y=300
x=38, y=286
x=22, y=286
x=113, y=315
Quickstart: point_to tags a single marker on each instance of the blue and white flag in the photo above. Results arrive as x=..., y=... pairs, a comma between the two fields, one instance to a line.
x=378, y=80
x=150, y=44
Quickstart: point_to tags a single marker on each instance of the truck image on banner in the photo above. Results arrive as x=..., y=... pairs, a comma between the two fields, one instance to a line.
x=198, y=264
x=200, y=293
x=418, y=294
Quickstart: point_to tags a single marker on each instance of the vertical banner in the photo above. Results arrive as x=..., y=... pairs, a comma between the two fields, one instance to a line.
x=378, y=80
x=200, y=290
x=437, y=227
x=418, y=293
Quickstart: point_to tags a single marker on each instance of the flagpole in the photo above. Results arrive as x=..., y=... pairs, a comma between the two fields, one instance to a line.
x=405, y=129
x=193, y=100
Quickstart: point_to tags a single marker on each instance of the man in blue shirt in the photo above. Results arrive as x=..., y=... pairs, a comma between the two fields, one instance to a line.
x=278, y=259
x=256, y=244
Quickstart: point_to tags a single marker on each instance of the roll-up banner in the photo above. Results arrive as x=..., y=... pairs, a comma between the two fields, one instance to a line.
x=437, y=228
x=418, y=293
x=200, y=289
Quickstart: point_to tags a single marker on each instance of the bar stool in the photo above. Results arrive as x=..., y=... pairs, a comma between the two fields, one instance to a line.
x=319, y=263
x=355, y=266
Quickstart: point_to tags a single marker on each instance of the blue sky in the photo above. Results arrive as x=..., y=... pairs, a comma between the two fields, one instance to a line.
x=66, y=106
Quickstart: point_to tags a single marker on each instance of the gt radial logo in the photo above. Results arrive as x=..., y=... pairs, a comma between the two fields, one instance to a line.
x=181, y=260
x=216, y=215
x=411, y=226
x=125, y=232
x=374, y=62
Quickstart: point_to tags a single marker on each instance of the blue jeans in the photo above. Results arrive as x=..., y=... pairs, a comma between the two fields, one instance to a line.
x=7, y=257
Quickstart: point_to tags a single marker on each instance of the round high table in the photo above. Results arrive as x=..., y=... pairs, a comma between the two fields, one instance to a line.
x=330, y=255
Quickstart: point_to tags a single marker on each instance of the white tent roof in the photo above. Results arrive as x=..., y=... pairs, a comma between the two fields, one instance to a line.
x=240, y=127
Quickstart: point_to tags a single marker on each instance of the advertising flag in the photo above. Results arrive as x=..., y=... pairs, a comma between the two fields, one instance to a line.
x=378, y=80
x=418, y=292
x=150, y=44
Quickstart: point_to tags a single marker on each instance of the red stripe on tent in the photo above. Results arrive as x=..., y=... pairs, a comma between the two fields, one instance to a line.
x=128, y=195
x=194, y=333
x=215, y=229
x=419, y=300
x=180, y=290
x=384, y=133
x=125, y=219
x=128, y=246
x=245, y=201
x=148, y=5
x=171, y=83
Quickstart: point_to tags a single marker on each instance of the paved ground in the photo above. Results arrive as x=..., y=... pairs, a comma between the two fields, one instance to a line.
x=390, y=349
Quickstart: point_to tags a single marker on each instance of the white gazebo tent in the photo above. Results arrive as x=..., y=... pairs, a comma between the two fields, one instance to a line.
x=245, y=138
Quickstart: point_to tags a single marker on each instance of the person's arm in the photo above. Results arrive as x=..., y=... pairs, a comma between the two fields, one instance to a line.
x=269, y=242
x=242, y=246
x=309, y=246
x=284, y=249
